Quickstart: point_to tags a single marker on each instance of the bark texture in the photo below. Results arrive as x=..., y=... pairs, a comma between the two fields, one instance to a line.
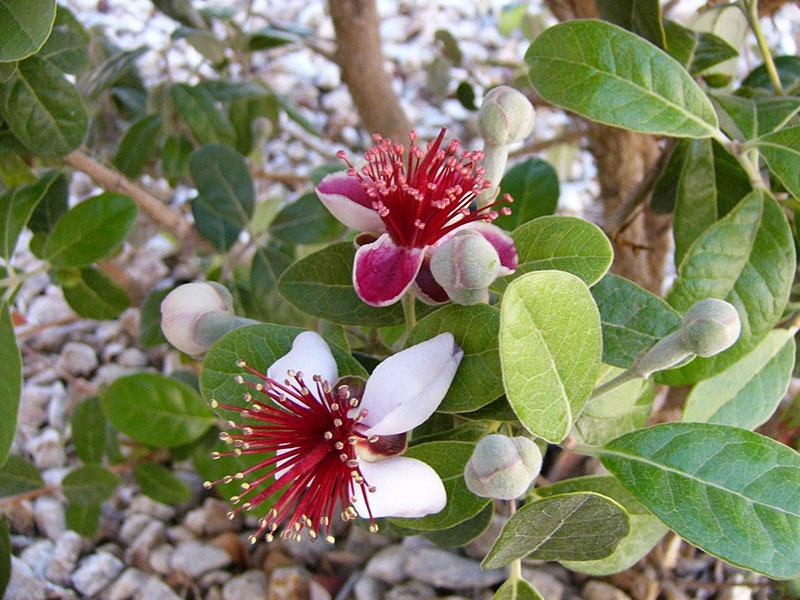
x=359, y=55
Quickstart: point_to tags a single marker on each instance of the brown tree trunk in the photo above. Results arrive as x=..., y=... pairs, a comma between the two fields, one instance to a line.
x=359, y=55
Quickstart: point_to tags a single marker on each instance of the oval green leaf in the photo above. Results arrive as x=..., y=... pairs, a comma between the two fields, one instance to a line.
x=5, y=554
x=533, y=184
x=89, y=485
x=781, y=152
x=17, y=207
x=623, y=80
x=83, y=519
x=573, y=526
x=306, y=221
x=550, y=348
x=26, y=27
x=157, y=411
x=727, y=490
x=93, y=295
x=517, y=589
x=68, y=44
x=10, y=382
x=89, y=430
x=19, y=476
x=138, y=145
x=160, y=484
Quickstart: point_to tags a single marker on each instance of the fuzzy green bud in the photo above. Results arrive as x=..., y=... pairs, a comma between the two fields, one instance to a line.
x=506, y=116
x=501, y=467
x=710, y=327
x=465, y=266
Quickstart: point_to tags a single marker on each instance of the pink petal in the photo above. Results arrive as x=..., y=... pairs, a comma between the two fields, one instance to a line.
x=345, y=199
x=428, y=289
x=384, y=271
x=404, y=487
x=502, y=242
x=407, y=388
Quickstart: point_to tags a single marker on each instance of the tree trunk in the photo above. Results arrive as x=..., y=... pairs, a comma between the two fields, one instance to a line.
x=359, y=55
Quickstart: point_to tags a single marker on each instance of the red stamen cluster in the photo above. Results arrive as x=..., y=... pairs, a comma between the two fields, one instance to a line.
x=430, y=194
x=309, y=441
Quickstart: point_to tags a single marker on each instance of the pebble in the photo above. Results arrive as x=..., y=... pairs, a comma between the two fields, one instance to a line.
x=153, y=533
x=65, y=556
x=443, y=569
x=288, y=583
x=212, y=518
x=49, y=515
x=33, y=403
x=599, y=590
x=146, y=505
x=413, y=590
x=23, y=584
x=130, y=582
x=56, y=592
x=78, y=358
x=155, y=589
x=548, y=585
x=216, y=577
x=196, y=558
x=20, y=516
x=133, y=525
x=132, y=357
x=47, y=449
x=368, y=588
x=95, y=572
x=252, y=584
x=161, y=559
x=37, y=556
x=49, y=308
x=388, y=565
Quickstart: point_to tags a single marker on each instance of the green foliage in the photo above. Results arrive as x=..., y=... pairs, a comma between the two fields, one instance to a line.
x=83, y=519
x=208, y=124
x=68, y=45
x=475, y=328
x=17, y=207
x=26, y=26
x=160, y=484
x=788, y=68
x=150, y=333
x=781, y=151
x=623, y=80
x=696, y=197
x=5, y=554
x=91, y=294
x=138, y=145
x=571, y=526
x=748, y=118
x=89, y=485
x=727, y=490
x=697, y=51
x=463, y=533
x=533, y=184
x=642, y=17
x=89, y=430
x=10, y=382
x=157, y=411
x=52, y=206
x=306, y=221
x=517, y=589
x=550, y=347
x=18, y=476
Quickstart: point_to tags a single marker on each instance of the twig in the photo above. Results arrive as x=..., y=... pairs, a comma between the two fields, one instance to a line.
x=112, y=181
x=571, y=135
x=291, y=179
x=38, y=328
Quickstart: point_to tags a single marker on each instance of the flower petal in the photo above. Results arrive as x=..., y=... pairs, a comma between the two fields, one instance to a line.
x=345, y=199
x=404, y=487
x=502, y=242
x=428, y=289
x=309, y=355
x=383, y=271
x=406, y=389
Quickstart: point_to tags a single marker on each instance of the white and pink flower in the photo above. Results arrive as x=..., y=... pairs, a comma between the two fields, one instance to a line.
x=333, y=445
x=410, y=206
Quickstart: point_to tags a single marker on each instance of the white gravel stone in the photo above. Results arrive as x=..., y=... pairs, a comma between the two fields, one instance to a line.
x=49, y=515
x=195, y=558
x=443, y=569
x=56, y=592
x=132, y=357
x=368, y=588
x=212, y=518
x=146, y=505
x=388, y=565
x=600, y=590
x=155, y=589
x=78, y=358
x=65, y=557
x=132, y=526
x=153, y=534
x=95, y=572
x=252, y=584
x=23, y=584
x=49, y=308
x=161, y=559
x=47, y=449
x=127, y=585
x=37, y=556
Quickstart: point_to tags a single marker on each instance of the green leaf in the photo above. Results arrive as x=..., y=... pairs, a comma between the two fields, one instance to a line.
x=83, y=519
x=729, y=491
x=14, y=170
x=633, y=319
x=267, y=38
x=781, y=152
x=642, y=17
x=226, y=194
x=615, y=412
x=746, y=258
x=563, y=243
x=623, y=80
x=698, y=51
x=533, y=184
x=91, y=230
x=68, y=45
x=269, y=263
x=17, y=207
x=466, y=95
x=204, y=41
x=259, y=346
x=5, y=554
x=10, y=382
x=18, y=476
x=448, y=459
x=747, y=393
x=208, y=124
x=550, y=347
x=150, y=333
x=43, y=109
x=89, y=485
x=26, y=26
x=574, y=526
x=696, y=199
x=89, y=430
x=157, y=411
x=747, y=118
x=94, y=296
x=321, y=284
x=118, y=68
x=52, y=206
x=306, y=221
x=475, y=328
x=7, y=70
x=175, y=156
x=138, y=146
x=644, y=533
x=788, y=68
x=160, y=484
x=517, y=589
x=463, y=533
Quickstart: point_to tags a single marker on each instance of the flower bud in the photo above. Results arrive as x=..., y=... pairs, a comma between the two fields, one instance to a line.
x=506, y=116
x=502, y=467
x=465, y=266
x=185, y=309
x=710, y=327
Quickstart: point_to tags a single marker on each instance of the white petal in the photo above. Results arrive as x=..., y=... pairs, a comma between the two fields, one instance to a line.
x=407, y=388
x=404, y=487
x=309, y=355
